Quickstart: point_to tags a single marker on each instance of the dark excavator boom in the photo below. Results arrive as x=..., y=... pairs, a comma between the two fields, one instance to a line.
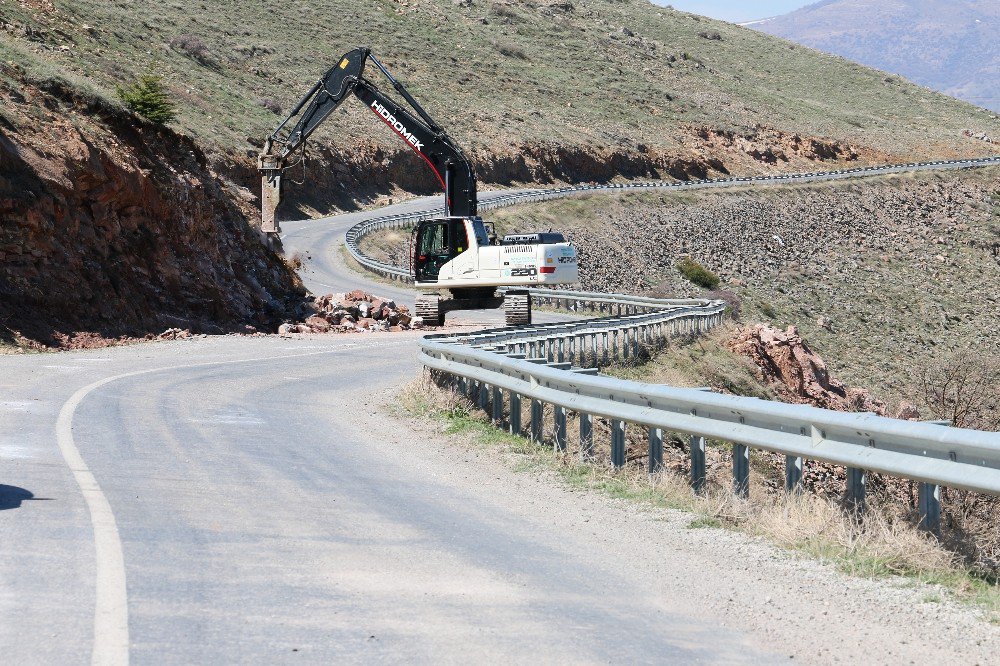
x=420, y=132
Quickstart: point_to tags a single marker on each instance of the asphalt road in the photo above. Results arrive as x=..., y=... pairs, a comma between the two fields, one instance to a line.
x=234, y=499
x=247, y=500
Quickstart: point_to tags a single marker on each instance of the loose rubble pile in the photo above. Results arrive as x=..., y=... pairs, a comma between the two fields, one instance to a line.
x=355, y=311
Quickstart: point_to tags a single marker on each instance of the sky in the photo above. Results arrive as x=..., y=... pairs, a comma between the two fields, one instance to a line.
x=736, y=11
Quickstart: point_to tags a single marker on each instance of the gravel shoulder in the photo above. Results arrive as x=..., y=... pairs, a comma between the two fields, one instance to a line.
x=798, y=608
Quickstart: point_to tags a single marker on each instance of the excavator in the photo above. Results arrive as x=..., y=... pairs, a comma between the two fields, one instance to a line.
x=458, y=252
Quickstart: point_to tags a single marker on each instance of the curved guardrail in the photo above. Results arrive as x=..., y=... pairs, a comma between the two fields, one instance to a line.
x=556, y=364
x=359, y=231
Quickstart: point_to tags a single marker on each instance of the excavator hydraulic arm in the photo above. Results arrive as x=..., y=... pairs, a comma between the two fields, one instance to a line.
x=323, y=99
x=420, y=132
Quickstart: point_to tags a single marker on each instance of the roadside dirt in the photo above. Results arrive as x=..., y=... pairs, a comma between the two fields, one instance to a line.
x=795, y=608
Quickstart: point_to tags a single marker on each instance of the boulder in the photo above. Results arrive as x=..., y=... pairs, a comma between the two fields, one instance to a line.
x=797, y=373
x=318, y=324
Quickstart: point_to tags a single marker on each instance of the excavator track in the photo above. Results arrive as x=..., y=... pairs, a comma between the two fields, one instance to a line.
x=517, y=308
x=429, y=309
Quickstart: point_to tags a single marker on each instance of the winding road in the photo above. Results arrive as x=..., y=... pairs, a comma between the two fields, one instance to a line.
x=252, y=500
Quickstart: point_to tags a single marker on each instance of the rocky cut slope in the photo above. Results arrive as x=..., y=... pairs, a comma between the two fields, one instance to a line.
x=110, y=227
x=534, y=90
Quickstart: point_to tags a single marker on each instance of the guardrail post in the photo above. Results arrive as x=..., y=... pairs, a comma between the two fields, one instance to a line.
x=857, y=487
x=697, y=445
x=560, y=419
x=741, y=470
x=618, y=443
x=561, y=354
x=463, y=387
x=655, y=450
x=497, y=405
x=586, y=437
x=483, y=395
x=793, y=474
x=929, y=506
x=604, y=347
x=536, y=421
x=515, y=413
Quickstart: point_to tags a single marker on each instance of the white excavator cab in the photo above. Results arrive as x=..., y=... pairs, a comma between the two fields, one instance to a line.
x=462, y=255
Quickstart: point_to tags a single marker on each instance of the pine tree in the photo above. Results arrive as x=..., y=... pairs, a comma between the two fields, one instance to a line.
x=148, y=98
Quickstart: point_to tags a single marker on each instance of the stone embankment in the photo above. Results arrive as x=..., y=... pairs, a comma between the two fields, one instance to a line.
x=878, y=274
x=112, y=228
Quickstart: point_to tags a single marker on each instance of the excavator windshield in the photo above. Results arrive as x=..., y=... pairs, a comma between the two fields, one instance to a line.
x=438, y=242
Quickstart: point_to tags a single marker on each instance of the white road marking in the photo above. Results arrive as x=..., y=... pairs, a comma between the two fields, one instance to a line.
x=111, y=608
x=111, y=639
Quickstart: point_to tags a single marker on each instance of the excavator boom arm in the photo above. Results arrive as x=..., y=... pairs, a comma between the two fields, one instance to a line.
x=420, y=132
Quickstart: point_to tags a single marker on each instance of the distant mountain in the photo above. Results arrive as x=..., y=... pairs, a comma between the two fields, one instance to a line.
x=949, y=45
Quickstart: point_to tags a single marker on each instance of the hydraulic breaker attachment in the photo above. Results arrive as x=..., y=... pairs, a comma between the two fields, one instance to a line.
x=270, y=189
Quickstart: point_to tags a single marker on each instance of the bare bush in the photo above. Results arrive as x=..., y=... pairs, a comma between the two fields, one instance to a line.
x=193, y=47
x=963, y=388
x=512, y=51
x=734, y=306
x=271, y=105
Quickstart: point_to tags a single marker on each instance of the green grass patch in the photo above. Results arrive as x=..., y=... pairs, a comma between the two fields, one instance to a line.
x=697, y=274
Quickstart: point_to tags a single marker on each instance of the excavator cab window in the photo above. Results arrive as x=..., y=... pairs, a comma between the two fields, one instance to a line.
x=438, y=242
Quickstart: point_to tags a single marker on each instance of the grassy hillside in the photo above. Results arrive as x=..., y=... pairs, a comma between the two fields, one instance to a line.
x=534, y=90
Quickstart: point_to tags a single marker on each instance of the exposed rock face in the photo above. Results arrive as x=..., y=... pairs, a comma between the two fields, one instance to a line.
x=798, y=373
x=344, y=177
x=115, y=227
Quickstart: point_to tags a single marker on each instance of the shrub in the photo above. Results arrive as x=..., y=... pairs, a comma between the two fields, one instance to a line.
x=271, y=105
x=192, y=47
x=767, y=310
x=734, y=305
x=710, y=35
x=697, y=273
x=962, y=388
x=148, y=98
x=512, y=51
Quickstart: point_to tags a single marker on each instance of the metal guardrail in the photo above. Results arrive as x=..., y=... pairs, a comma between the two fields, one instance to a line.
x=359, y=231
x=544, y=364
x=554, y=364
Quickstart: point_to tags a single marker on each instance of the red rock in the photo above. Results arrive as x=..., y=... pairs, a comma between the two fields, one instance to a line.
x=318, y=324
x=797, y=373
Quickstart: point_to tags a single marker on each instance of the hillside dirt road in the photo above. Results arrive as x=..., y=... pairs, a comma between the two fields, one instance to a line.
x=251, y=499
